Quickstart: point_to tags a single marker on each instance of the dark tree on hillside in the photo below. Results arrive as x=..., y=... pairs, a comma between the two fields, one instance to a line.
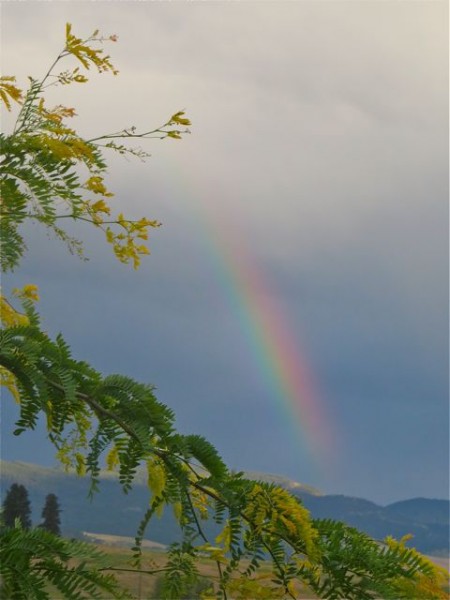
x=17, y=506
x=50, y=514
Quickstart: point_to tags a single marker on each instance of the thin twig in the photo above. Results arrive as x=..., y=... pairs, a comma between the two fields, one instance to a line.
x=147, y=572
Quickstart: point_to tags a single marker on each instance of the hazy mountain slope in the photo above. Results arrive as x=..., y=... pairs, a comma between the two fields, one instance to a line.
x=422, y=509
x=113, y=512
x=430, y=534
x=289, y=484
x=110, y=511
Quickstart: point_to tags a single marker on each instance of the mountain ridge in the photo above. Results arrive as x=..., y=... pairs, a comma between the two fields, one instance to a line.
x=113, y=512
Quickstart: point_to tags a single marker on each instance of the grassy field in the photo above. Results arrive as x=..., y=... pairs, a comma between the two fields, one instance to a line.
x=145, y=586
x=142, y=586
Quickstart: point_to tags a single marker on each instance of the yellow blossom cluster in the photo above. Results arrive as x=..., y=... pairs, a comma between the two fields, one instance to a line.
x=10, y=317
x=277, y=510
x=125, y=243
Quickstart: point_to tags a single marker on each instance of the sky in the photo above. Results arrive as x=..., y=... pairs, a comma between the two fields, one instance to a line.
x=294, y=308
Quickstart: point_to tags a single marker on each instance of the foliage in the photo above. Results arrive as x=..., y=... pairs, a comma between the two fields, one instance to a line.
x=16, y=506
x=389, y=570
x=35, y=565
x=196, y=591
x=89, y=415
x=51, y=173
x=50, y=514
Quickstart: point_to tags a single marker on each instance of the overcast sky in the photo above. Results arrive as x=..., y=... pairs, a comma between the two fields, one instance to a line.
x=319, y=156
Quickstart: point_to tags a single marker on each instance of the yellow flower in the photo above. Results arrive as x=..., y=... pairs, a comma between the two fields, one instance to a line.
x=101, y=206
x=28, y=292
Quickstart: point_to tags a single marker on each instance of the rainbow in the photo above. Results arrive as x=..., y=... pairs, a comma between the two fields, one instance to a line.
x=281, y=364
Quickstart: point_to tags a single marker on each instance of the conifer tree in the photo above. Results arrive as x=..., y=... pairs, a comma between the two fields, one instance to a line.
x=17, y=506
x=50, y=514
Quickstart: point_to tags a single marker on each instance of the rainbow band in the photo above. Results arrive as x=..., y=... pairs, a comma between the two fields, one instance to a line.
x=282, y=366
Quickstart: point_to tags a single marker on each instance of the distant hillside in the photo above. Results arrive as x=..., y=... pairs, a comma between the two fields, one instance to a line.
x=426, y=520
x=110, y=512
x=422, y=509
x=114, y=513
x=289, y=484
